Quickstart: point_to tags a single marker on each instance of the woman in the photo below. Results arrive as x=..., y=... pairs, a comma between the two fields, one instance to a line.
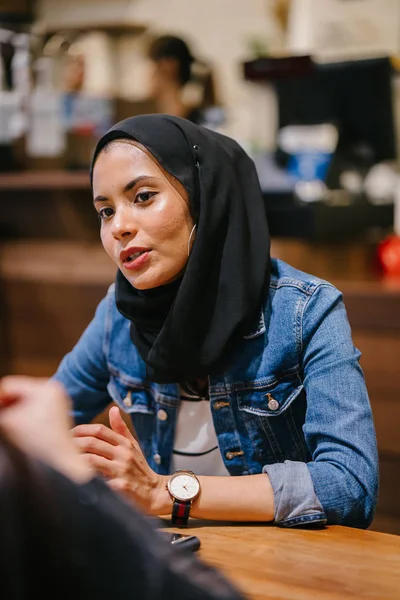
x=199, y=311
x=64, y=534
x=174, y=66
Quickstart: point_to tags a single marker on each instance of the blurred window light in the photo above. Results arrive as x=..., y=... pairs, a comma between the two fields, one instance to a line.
x=332, y=29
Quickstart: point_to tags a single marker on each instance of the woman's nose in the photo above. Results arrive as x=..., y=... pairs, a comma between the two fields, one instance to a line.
x=123, y=224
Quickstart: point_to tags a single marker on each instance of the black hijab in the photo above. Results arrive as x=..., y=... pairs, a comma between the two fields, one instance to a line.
x=189, y=329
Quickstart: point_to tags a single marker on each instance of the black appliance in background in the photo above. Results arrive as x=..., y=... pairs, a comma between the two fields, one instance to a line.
x=356, y=96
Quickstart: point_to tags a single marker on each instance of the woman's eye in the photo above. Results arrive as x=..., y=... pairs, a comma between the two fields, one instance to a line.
x=104, y=213
x=144, y=196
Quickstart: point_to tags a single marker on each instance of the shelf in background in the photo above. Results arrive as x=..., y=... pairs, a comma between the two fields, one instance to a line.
x=112, y=28
x=45, y=180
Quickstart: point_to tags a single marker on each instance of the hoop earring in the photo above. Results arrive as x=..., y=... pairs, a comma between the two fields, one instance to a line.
x=190, y=238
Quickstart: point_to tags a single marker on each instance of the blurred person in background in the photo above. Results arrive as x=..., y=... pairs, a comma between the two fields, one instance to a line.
x=64, y=533
x=173, y=67
x=228, y=362
x=74, y=73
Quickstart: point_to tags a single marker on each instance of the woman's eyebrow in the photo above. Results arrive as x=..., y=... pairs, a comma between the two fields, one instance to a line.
x=99, y=199
x=134, y=182
x=128, y=186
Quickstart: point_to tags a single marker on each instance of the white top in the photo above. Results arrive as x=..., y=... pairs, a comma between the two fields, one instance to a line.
x=196, y=445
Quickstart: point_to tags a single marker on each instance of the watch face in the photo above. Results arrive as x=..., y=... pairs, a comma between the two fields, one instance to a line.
x=184, y=486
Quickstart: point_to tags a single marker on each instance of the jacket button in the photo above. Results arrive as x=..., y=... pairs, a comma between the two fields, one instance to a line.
x=128, y=399
x=162, y=415
x=231, y=455
x=220, y=404
x=272, y=403
x=157, y=459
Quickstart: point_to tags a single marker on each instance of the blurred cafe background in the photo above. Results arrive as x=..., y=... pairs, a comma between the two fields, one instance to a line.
x=311, y=89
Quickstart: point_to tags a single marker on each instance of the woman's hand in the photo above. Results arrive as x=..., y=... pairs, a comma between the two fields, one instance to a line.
x=34, y=413
x=115, y=454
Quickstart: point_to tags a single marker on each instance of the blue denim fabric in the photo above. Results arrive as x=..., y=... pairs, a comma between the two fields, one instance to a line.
x=292, y=405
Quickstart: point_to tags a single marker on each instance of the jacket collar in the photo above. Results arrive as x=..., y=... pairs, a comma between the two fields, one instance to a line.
x=259, y=329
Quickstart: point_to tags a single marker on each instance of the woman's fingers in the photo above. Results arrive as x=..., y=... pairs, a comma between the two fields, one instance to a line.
x=92, y=445
x=115, y=454
x=107, y=468
x=101, y=432
x=118, y=424
x=118, y=485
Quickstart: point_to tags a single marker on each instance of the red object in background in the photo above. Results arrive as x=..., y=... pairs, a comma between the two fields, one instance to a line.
x=389, y=255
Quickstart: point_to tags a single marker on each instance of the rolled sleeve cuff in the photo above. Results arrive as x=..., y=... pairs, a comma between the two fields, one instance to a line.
x=296, y=503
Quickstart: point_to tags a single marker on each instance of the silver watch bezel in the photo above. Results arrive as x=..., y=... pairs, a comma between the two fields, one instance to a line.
x=177, y=474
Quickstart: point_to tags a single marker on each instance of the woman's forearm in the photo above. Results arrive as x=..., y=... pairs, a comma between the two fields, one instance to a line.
x=245, y=498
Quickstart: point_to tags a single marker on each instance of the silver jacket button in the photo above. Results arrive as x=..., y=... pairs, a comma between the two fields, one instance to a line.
x=162, y=415
x=128, y=399
x=157, y=459
x=272, y=403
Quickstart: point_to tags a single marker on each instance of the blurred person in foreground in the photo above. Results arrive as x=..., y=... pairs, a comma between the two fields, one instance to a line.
x=173, y=67
x=235, y=368
x=64, y=533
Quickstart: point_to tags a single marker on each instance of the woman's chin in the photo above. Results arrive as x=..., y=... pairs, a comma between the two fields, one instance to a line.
x=145, y=281
x=152, y=276
x=138, y=283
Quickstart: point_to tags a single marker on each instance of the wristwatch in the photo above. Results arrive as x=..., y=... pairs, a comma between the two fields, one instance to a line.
x=184, y=487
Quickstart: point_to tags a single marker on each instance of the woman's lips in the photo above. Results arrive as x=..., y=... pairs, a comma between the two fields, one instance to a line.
x=137, y=263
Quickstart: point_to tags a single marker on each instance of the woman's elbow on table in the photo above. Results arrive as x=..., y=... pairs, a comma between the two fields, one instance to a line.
x=347, y=498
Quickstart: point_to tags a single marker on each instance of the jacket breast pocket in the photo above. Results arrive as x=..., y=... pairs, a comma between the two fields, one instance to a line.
x=129, y=395
x=138, y=402
x=273, y=411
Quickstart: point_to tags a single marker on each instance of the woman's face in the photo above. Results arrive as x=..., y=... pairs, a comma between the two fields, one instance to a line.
x=145, y=217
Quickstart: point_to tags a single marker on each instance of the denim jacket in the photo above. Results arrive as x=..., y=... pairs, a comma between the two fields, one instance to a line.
x=293, y=403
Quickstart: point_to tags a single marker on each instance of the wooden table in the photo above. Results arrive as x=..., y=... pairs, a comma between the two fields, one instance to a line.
x=332, y=564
